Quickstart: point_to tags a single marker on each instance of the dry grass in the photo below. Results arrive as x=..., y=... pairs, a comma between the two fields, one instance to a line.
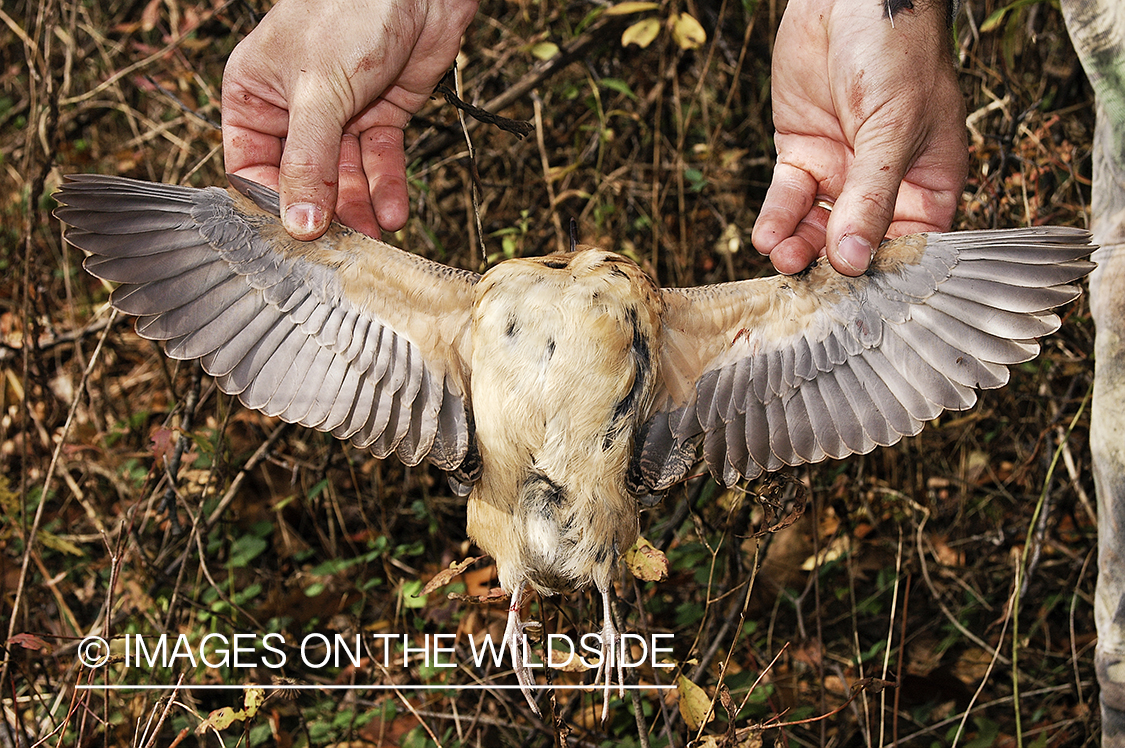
x=924, y=548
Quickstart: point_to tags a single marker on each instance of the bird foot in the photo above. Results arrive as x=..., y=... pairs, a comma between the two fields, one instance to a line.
x=611, y=657
x=514, y=640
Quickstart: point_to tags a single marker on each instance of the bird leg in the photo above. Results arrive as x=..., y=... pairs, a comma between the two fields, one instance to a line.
x=514, y=639
x=611, y=655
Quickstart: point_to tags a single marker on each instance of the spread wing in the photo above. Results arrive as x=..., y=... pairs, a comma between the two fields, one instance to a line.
x=794, y=369
x=343, y=334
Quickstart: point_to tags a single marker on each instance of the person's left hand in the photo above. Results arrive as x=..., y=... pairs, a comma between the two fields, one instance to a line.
x=868, y=117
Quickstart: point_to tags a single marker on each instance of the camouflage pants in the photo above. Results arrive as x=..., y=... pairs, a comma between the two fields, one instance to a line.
x=1097, y=28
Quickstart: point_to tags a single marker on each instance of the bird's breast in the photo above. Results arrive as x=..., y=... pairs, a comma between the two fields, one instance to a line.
x=563, y=370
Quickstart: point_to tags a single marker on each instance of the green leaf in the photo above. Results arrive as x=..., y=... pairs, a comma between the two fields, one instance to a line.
x=993, y=21
x=620, y=86
x=245, y=549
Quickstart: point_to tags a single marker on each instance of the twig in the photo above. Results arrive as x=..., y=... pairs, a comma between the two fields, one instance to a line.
x=517, y=127
x=601, y=29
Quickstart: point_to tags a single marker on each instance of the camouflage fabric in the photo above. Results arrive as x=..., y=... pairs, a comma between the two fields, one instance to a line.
x=1097, y=28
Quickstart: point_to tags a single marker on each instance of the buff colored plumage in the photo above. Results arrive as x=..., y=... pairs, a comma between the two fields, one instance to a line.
x=557, y=390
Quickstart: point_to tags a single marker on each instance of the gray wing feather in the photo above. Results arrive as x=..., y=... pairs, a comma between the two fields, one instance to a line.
x=799, y=369
x=270, y=318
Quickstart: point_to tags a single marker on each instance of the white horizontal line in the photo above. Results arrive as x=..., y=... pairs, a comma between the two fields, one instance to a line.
x=334, y=687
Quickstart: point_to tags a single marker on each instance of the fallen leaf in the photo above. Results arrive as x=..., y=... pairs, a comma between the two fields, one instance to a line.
x=31, y=641
x=646, y=562
x=445, y=576
x=695, y=704
x=163, y=443
x=253, y=699
x=220, y=719
x=687, y=32
x=544, y=50
x=641, y=33
x=624, y=9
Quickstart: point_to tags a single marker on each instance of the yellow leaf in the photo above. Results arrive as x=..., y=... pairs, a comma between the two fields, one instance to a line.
x=695, y=704
x=252, y=700
x=687, y=32
x=641, y=33
x=220, y=719
x=624, y=9
x=646, y=562
x=544, y=50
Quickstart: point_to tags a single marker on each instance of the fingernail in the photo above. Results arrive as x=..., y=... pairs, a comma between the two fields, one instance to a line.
x=303, y=218
x=855, y=251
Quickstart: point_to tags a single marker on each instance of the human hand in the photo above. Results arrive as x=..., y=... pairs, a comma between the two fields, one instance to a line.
x=868, y=117
x=316, y=97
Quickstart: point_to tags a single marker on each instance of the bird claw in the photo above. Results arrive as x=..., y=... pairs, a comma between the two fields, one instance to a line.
x=611, y=657
x=611, y=652
x=514, y=640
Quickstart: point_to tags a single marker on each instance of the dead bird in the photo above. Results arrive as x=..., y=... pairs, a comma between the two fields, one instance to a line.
x=557, y=390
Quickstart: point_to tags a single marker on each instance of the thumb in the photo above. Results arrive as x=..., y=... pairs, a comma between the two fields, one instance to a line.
x=863, y=212
x=309, y=173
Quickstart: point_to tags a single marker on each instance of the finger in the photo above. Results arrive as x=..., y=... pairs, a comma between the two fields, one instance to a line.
x=929, y=195
x=863, y=211
x=788, y=200
x=252, y=142
x=384, y=161
x=795, y=254
x=920, y=209
x=309, y=174
x=353, y=201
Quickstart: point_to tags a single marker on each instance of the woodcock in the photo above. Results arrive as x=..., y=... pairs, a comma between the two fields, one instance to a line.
x=557, y=390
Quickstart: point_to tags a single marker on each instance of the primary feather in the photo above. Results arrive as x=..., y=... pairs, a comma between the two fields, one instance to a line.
x=792, y=369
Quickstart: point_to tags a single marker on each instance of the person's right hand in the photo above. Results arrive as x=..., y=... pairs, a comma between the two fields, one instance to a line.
x=316, y=97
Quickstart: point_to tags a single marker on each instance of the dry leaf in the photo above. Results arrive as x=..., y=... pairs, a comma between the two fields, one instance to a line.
x=163, y=444
x=748, y=737
x=695, y=704
x=31, y=641
x=150, y=16
x=572, y=664
x=56, y=543
x=445, y=576
x=646, y=562
x=687, y=32
x=496, y=594
x=224, y=717
x=641, y=33
x=220, y=719
x=544, y=50
x=253, y=699
x=624, y=9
